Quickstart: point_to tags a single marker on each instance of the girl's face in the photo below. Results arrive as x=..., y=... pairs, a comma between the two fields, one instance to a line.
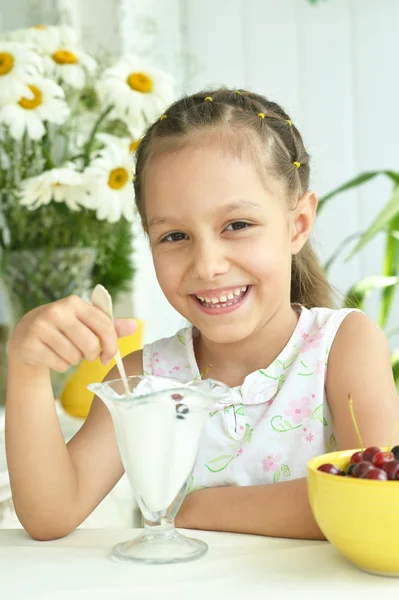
x=221, y=242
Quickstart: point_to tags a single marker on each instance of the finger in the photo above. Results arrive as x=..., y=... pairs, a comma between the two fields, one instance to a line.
x=83, y=338
x=52, y=360
x=101, y=326
x=125, y=327
x=61, y=345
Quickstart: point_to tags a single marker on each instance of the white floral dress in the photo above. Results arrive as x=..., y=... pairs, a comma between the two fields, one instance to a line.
x=276, y=420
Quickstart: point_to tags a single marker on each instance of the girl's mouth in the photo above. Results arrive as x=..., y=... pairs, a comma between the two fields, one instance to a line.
x=223, y=302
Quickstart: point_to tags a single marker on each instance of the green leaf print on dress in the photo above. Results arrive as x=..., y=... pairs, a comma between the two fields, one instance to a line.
x=221, y=462
x=318, y=414
x=284, y=426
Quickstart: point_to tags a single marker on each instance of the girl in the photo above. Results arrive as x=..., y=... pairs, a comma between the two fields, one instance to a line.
x=222, y=188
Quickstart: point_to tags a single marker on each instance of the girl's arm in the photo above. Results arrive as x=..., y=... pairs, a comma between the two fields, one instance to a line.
x=359, y=364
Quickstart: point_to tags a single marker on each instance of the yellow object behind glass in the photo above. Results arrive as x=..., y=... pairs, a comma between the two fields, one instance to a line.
x=75, y=397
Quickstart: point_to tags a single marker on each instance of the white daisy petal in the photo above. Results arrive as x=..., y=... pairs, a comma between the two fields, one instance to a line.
x=59, y=185
x=44, y=102
x=18, y=64
x=135, y=89
x=109, y=184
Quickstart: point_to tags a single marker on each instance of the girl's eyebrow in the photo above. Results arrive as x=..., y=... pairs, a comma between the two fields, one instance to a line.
x=237, y=204
x=230, y=207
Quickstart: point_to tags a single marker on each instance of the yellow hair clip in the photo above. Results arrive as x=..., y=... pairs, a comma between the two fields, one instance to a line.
x=297, y=164
x=162, y=117
x=238, y=92
x=261, y=115
x=208, y=98
x=289, y=122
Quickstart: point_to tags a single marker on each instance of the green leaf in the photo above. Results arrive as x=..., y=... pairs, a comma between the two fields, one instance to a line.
x=395, y=365
x=317, y=414
x=362, y=289
x=285, y=470
x=340, y=249
x=240, y=411
x=219, y=463
x=391, y=268
x=333, y=443
x=383, y=219
x=359, y=180
x=276, y=475
x=182, y=339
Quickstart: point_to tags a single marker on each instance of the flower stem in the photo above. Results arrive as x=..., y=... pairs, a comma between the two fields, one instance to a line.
x=96, y=126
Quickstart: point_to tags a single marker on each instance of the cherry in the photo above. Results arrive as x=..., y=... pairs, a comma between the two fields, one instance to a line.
x=380, y=458
x=391, y=468
x=357, y=457
x=350, y=469
x=361, y=468
x=369, y=453
x=329, y=468
x=375, y=473
x=395, y=451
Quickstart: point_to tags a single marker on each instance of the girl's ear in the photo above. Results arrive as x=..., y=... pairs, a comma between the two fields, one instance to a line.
x=303, y=217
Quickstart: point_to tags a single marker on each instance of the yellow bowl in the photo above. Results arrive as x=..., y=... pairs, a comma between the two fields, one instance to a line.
x=75, y=397
x=360, y=517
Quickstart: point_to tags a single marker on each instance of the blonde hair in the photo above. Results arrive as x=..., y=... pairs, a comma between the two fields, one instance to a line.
x=257, y=126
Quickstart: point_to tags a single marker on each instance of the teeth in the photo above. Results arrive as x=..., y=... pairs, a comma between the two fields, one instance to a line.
x=225, y=297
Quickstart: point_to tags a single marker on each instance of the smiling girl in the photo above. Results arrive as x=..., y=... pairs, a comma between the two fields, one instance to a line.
x=222, y=188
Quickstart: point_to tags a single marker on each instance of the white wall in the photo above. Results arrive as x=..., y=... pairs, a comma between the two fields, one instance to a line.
x=333, y=66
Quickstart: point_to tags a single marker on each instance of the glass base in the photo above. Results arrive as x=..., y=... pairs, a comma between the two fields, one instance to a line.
x=159, y=548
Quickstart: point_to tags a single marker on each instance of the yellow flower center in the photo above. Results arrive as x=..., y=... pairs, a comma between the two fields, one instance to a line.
x=36, y=100
x=64, y=57
x=118, y=178
x=6, y=63
x=134, y=145
x=140, y=82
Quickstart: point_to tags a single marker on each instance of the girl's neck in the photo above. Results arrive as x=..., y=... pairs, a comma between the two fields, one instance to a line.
x=231, y=363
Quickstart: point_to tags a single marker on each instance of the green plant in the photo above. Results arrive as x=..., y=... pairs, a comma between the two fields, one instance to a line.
x=386, y=282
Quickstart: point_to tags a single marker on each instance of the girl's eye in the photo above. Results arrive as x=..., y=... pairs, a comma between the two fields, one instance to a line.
x=176, y=236
x=238, y=225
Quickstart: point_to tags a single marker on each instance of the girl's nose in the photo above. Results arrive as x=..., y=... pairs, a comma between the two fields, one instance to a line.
x=209, y=261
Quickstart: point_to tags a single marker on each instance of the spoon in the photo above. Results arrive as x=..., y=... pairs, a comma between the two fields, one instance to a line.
x=101, y=298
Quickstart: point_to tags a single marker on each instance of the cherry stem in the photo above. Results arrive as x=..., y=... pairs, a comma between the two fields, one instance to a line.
x=354, y=422
x=391, y=438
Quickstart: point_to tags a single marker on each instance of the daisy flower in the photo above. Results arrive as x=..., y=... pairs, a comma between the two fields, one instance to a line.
x=109, y=188
x=125, y=144
x=40, y=36
x=44, y=101
x=136, y=90
x=18, y=64
x=56, y=185
x=66, y=62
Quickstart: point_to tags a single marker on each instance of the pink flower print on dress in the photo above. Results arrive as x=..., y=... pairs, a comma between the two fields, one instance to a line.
x=309, y=432
x=158, y=372
x=299, y=410
x=312, y=341
x=320, y=366
x=272, y=463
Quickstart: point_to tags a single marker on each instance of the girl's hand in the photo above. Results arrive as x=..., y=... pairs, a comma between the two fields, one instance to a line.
x=61, y=334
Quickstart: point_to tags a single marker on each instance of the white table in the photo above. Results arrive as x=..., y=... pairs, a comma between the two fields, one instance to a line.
x=79, y=567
